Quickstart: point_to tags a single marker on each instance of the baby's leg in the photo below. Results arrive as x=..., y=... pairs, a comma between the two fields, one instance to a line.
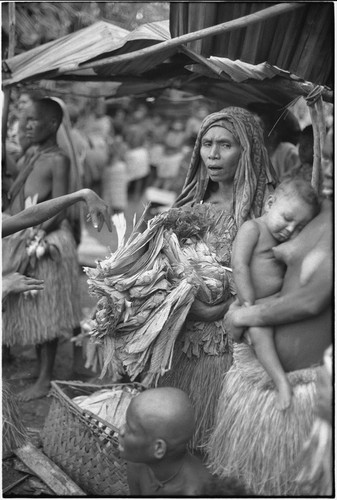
x=262, y=339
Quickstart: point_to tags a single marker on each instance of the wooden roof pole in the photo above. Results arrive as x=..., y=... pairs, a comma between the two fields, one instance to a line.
x=241, y=22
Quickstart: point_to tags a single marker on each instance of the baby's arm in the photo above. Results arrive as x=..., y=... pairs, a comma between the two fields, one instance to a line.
x=243, y=248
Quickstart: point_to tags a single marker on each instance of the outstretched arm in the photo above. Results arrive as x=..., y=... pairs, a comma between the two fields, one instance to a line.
x=99, y=211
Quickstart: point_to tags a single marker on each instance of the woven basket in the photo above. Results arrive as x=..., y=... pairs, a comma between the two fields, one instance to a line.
x=82, y=444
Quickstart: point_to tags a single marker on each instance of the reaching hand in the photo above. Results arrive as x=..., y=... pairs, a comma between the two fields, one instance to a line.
x=99, y=211
x=17, y=283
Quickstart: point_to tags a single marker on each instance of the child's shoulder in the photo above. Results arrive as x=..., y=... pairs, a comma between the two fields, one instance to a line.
x=250, y=227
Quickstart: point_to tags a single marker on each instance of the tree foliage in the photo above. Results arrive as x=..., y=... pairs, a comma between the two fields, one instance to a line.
x=40, y=22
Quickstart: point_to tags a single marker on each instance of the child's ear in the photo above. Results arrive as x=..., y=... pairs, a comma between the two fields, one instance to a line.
x=269, y=202
x=160, y=448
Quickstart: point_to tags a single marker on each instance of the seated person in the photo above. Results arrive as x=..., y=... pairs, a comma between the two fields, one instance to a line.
x=258, y=274
x=159, y=425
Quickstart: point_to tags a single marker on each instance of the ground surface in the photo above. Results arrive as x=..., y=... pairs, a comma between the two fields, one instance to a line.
x=20, y=368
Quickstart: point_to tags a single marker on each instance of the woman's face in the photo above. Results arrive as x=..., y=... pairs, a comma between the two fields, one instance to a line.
x=220, y=153
x=38, y=124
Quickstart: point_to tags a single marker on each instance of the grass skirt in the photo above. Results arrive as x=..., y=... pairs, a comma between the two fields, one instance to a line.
x=200, y=377
x=253, y=441
x=14, y=434
x=54, y=311
x=315, y=462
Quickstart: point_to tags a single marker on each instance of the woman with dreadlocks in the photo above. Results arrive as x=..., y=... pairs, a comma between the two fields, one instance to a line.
x=230, y=170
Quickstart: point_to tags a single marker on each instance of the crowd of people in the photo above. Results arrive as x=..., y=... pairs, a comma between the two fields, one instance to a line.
x=120, y=151
x=239, y=401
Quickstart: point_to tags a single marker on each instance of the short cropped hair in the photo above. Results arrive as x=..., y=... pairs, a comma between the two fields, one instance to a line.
x=52, y=107
x=300, y=188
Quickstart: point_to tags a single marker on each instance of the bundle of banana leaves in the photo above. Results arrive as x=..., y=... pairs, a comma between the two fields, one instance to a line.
x=146, y=288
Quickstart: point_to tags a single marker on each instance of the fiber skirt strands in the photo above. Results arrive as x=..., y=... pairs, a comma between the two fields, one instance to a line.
x=53, y=312
x=200, y=376
x=83, y=444
x=316, y=462
x=252, y=440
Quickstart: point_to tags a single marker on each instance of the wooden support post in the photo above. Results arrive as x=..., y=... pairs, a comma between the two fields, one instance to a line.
x=316, y=167
x=50, y=473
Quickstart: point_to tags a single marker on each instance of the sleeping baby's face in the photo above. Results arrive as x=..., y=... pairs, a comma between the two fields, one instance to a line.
x=287, y=216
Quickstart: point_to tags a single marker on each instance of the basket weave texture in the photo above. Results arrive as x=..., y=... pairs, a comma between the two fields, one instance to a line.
x=82, y=444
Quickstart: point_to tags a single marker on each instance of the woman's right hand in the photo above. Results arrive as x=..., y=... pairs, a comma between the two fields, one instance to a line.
x=208, y=313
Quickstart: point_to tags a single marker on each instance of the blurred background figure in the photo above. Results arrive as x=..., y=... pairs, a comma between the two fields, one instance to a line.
x=281, y=134
x=137, y=156
x=96, y=126
x=115, y=177
x=172, y=155
x=198, y=113
x=156, y=141
x=305, y=153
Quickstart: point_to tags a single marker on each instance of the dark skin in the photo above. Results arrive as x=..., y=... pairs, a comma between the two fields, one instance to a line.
x=159, y=424
x=49, y=179
x=99, y=212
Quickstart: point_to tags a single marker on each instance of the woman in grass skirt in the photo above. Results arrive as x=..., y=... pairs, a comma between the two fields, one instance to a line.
x=231, y=171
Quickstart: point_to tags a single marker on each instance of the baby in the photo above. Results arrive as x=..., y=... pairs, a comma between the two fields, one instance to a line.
x=159, y=425
x=257, y=273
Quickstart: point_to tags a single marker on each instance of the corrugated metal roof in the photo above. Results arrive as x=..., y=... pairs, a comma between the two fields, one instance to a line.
x=300, y=41
x=89, y=44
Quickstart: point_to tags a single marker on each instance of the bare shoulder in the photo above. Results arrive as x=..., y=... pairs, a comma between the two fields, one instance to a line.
x=58, y=165
x=55, y=160
x=250, y=226
x=249, y=231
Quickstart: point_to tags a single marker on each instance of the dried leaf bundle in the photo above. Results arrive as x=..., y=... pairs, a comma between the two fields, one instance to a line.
x=146, y=288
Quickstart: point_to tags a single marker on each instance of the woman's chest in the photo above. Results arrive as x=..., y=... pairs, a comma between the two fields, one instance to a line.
x=39, y=181
x=221, y=236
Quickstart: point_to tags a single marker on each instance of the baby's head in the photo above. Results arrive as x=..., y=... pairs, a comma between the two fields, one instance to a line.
x=159, y=423
x=292, y=205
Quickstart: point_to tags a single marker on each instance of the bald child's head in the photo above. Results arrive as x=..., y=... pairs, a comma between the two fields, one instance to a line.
x=159, y=422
